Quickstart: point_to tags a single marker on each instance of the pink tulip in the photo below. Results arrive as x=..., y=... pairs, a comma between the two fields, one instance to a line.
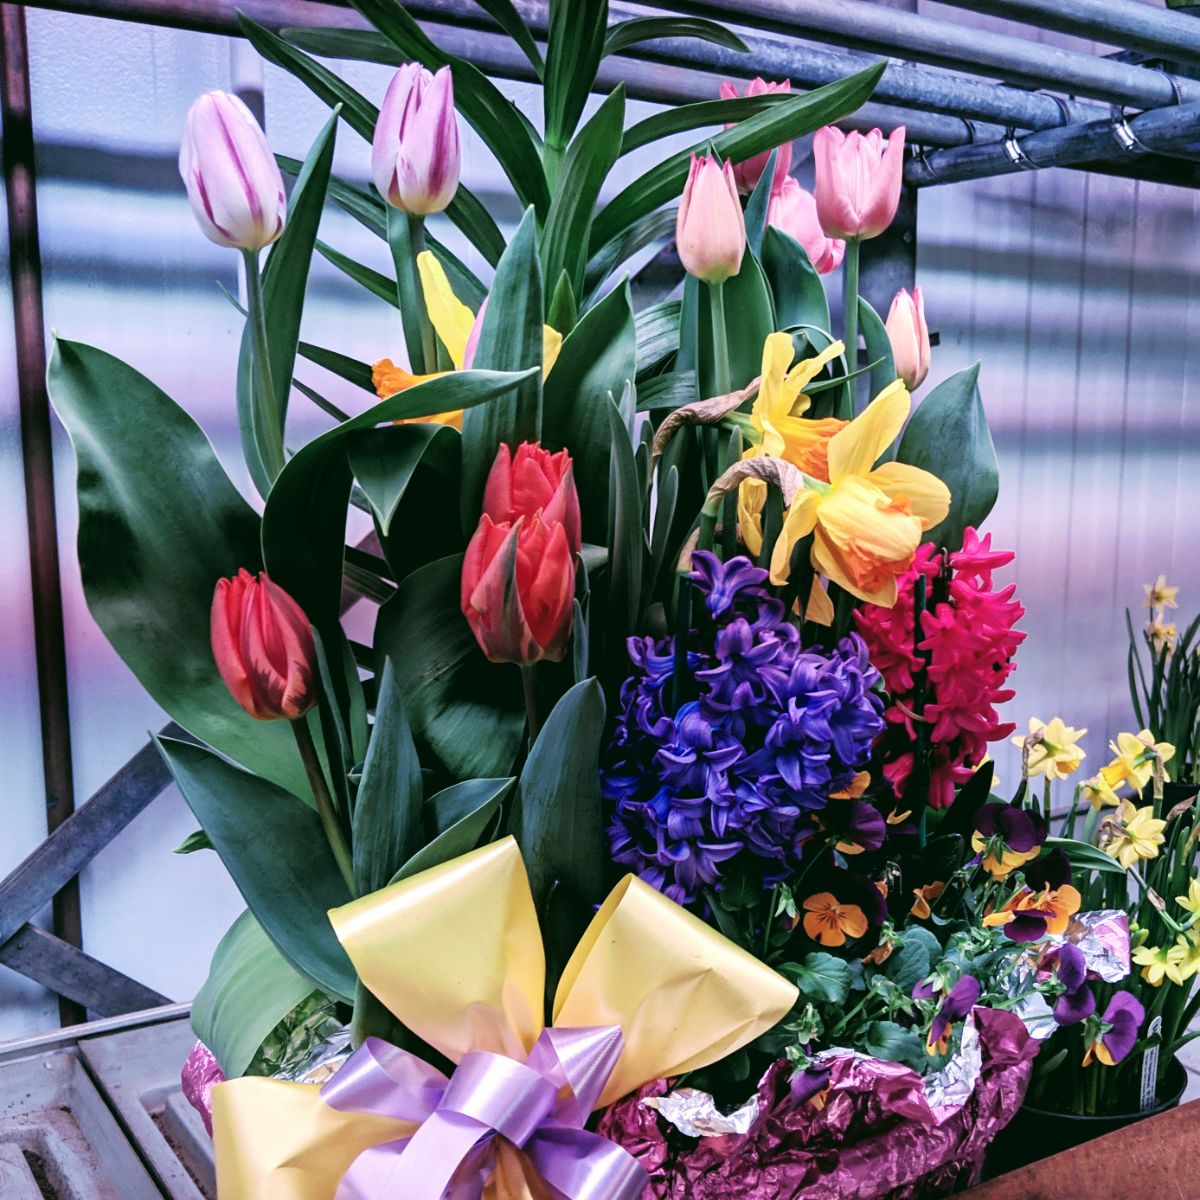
x=232, y=179
x=748, y=173
x=794, y=210
x=710, y=231
x=909, y=336
x=858, y=180
x=415, y=157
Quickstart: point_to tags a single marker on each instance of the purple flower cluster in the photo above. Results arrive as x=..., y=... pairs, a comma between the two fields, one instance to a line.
x=767, y=731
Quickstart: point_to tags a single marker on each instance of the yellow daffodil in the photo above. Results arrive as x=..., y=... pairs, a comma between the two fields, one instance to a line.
x=1189, y=965
x=453, y=322
x=1132, y=834
x=1162, y=635
x=1161, y=962
x=1097, y=792
x=1136, y=757
x=867, y=521
x=1160, y=595
x=1050, y=749
x=1191, y=902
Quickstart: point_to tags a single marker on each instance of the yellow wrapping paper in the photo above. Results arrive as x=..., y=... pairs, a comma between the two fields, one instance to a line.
x=456, y=954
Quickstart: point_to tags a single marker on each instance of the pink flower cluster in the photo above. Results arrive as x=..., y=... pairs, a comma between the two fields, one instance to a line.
x=969, y=642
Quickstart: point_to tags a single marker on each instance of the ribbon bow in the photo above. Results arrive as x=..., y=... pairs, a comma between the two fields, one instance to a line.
x=456, y=954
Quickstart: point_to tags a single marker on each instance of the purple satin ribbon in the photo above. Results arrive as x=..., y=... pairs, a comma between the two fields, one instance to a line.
x=540, y=1106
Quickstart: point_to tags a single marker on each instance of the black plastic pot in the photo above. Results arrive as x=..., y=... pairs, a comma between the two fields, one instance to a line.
x=1037, y=1133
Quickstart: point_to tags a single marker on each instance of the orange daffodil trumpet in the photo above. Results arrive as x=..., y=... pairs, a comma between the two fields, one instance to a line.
x=867, y=521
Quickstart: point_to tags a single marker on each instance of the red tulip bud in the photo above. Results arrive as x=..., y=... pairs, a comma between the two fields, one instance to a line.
x=530, y=482
x=263, y=647
x=518, y=589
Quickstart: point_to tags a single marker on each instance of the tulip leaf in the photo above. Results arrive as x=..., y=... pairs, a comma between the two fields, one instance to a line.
x=463, y=836
x=797, y=116
x=758, y=207
x=879, y=348
x=585, y=167
x=1084, y=856
x=598, y=357
x=683, y=118
x=948, y=436
x=504, y=13
x=342, y=365
x=387, y=815
x=250, y=988
x=453, y=804
x=495, y=118
x=795, y=285
x=648, y=29
x=374, y=281
x=159, y=524
x=510, y=339
x=574, y=45
x=657, y=337
x=665, y=392
x=384, y=461
x=626, y=523
x=464, y=711
x=655, y=227
x=558, y=820
x=276, y=851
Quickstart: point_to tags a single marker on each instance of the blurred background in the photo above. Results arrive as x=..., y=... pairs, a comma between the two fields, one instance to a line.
x=1079, y=293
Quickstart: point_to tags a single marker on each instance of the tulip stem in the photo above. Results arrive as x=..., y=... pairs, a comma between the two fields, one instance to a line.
x=268, y=427
x=720, y=339
x=416, y=241
x=529, y=686
x=325, y=810
x=850, y=324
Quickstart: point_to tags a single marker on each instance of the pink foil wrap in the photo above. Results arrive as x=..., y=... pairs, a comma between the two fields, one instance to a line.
x=876, y=1138
x=201, y=1073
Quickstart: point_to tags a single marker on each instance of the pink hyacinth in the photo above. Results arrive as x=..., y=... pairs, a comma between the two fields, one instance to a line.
x=970, y=639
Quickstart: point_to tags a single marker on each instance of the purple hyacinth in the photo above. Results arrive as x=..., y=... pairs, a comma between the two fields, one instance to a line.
x=770, y=728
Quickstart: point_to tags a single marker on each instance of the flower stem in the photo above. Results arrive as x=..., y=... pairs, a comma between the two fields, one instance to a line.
x=850, y=324
x=529, y=687
x=416, y=241
x=325, y=810
x=268, y=424
x=720, y=339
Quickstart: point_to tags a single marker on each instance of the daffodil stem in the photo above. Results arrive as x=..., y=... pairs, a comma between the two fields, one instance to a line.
x=268, y=424
x=325, y=810
x=850, y=323
x=416, y=242
x=720, y=339
x=529, y=687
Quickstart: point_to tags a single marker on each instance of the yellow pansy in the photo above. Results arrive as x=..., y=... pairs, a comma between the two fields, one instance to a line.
x=1136, y=756
x=867, y=521
x=1050, y=749
x=1132, y=834
x=1161, y=962
x=1160, y=595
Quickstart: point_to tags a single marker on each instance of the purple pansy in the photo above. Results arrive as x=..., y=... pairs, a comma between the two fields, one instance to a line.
x=1077, y=1002
x=1122, y=1019
x=955, y=1005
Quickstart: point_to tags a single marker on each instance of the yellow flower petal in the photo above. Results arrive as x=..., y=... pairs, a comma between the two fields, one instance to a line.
x=928, y=497
x=552, y=342
x=820, y=607
x=451, y=318
x=856, y=448
x=799, y=523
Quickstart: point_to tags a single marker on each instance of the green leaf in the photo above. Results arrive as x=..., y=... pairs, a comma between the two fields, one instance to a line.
x=821, y=977
x=647, y=29
x=655, y=227
x=461, y=838
x=505, y=132
x=894, y=1043
x=250, y=988
x=504, y=13
x=785, y=122
x=879, y=347
x=464, y=712
x=196, y=840
x=948, y=436
x=342, y=365
x=384, y=461
x=1085, y=856
x=510, y=339
x=409, y=294
x=598, y=357
x=574, y=44
x=625, y=537
x=558, y=820
x=657, y=336
x=758, y=207
x=683, y=118
x=915, y=958
x=588, y=160
x=362, y=45
x=664, y=392
x=364, y=206
x=387, y=815
x=795, y=285
x=457, y=802
x=374, y=281
x=159, y=524
x=276, y=851
x=563, y=311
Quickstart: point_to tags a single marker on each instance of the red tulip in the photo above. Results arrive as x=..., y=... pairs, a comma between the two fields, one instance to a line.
x=530, y=482
x=518, y=589
x=748, y=173
x=263, y=646
x=858, y=180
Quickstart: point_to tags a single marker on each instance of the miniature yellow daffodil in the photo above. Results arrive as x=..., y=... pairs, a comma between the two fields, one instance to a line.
x=1050, y=748
x=1132, y=834
x=1160, y=595
x=1162, y=635
x=1137, y=754
x=1191, y=902
x=1097, y=792
x=1161, y=962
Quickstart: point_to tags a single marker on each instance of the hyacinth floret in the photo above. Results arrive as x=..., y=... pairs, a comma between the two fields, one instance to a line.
x=769, y=728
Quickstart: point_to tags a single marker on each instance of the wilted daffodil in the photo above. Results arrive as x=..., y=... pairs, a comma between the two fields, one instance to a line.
x=1132, y=833
x=867, y=521
x=1137, y=756
x=1050, y=749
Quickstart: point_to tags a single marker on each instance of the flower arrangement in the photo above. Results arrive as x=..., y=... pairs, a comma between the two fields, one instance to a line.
x=688, y=595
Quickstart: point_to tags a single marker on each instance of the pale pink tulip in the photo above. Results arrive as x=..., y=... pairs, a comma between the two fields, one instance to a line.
x=858, y=180
x=748, y=173
x=710, y=231
x=909, y=336
x=415, y=156
x=794, y=210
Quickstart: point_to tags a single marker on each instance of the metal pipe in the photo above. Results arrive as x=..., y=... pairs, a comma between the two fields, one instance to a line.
x=1162, y=131
x=37, y=453
x=1126, y=23
x=864, y=25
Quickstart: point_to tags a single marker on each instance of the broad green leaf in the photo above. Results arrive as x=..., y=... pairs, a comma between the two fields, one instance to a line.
x=758, y=207
x=384, y=461
x=821, y=977
x=647, y=29
x=598, y=357
x=683, y=118
x=504, y=13
x=588, y=160
x=894, y=1043
x=464, y=712
x=159, y=524
x=374, y=281
x=657, y=336
x=250, y=988
x=781, y=123
x=879, y=348
x=914, y=959
x=460, y=800
x=276, y=851
x=563, y=311
x=387, y=815
x=948, y=435
x=667, y=391
x=349, y=369
x=796, y=287
x=1085, y=856
x=626, y=523
x=510, y=339
x=574, y=45
x=461, y=838
x=362, y=45
x=655, y=227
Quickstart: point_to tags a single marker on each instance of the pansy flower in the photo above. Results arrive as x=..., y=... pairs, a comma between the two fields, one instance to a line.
x=1007, y=837
x=1077, y=1002
x=955, y=1005
x=810, y=1085
x=857, y=825
x=1052, y=870
x=828, y=921
x=1116, y=1034
x=1028, y=915
x=921, y=908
